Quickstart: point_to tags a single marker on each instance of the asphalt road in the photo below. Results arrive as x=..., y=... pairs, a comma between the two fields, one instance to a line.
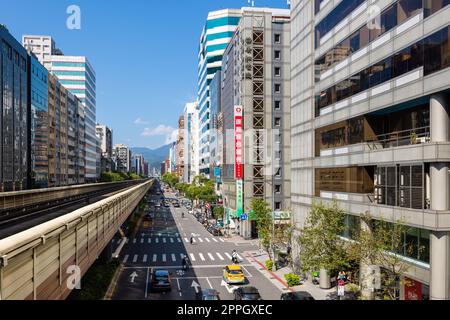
x=160, y=245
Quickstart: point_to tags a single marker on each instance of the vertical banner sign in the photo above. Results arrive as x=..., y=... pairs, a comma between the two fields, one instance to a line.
x=238, y=143
x=239, y=198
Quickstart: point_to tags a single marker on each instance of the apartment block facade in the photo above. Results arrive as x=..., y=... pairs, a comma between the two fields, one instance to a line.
x=371, y=122
x=191, y=142
x=256, y=80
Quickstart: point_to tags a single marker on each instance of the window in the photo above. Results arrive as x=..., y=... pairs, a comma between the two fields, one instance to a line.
x=278, y=206
x=278, y=172
x=277, y=55
x=277, y=105
x=277, y=122
x=277, y=38
x=277, y=88
x=277, y=72
x=278, y=188
x=433, y=6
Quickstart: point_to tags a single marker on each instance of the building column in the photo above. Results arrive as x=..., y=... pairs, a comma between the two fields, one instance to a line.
x=325, y=280
x=366, y=277
x=440, y=200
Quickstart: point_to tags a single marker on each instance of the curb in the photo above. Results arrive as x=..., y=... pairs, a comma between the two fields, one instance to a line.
x=113, y=284
x=271, y=273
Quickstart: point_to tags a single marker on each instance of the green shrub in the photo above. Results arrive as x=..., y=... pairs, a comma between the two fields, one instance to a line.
x=292, y=280
x=269, y=265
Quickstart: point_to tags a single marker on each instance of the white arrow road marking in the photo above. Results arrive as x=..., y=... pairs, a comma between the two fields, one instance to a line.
x=174, y=258
x=171, y=240
x=155, y=257
x=228, y=255
x=229, y=289
x=201, y=256
x=200, y=239
x=135, y=258
x=211, y=256
x=215, y=240
x=207, y=240
x=133, y=276
x=192, y=256
x=164, y=258
x=195, y=285
x=220, y=256
x=125, y=258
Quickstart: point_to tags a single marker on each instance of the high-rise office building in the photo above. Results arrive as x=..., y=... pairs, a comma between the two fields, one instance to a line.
x=105, y=136
x=371, y=123
x=122, y=156
x=217, y=32
x=14, y=100
x=77, y=75
x=180, y=147
x=191, y=142
x=255, y=103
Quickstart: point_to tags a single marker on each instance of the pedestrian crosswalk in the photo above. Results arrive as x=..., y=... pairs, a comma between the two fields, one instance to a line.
x=155, y=258
x=158, y=239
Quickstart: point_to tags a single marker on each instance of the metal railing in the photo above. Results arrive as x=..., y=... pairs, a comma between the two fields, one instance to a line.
x=400, y=138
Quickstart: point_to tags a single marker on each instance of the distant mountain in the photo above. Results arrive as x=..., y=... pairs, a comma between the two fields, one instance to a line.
x=153, y=156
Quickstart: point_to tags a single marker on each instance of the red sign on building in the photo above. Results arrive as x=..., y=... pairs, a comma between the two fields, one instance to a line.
x=239, y=143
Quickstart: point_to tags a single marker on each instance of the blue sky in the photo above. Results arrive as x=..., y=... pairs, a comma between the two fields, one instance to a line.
x=144, y=53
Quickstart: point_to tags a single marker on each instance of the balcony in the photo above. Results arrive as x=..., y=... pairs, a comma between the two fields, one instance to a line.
x=400, y=138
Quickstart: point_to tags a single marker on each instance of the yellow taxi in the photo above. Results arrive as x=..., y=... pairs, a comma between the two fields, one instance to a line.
x=233, y=275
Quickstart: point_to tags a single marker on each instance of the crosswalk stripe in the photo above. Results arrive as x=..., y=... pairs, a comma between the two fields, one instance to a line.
x=144, y=260
x=192, y=256
x=228, y=255
x=177, y=234
x=142, y=240
x=135, y=258
x=134, y=240
x=211, y=256
x=174, y=258
x=128, y=241
x=155, y=257
x=200, y=239
x=220, y=256
x=181, y=256
x=215, y=240
x=164, y=240
x=202, y=257
x=157, y=240
x=186, y=239
x=149, y=240
x=207, y=240
x=221, y=240
x=240, y=258
x=178, y=239
x=171, y=240
x=164, y=258
x=125, y=258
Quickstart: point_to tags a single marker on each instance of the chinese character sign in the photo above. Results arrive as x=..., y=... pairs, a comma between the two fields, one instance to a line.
x=239, y=198
x=239, y=142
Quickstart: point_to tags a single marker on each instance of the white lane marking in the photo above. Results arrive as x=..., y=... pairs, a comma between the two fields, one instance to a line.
x=220, y=256
x=174, y=258
x=200, y=239
x=192, y=256
x=207, y=240
x=135, y=258
x=248, y=272
x=215, y=240
x=134, y=240
x=146, y=283
x=164, y=240
x=155, y=257
x=171, y=240
x=211, y=256
x=202, y=257
x=221, y=240
x=144, y=259
x=228, y=255
x=157, y=240
x=164, y=258
x=149, y=240
x=178, y=239
x=125, y=259
x=209, y=283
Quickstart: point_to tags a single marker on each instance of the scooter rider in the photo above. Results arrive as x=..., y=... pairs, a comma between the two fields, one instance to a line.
x=184, y=261
x=234, y=257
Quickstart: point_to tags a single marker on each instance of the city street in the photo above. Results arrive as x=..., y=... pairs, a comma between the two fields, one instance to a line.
x=161, y=244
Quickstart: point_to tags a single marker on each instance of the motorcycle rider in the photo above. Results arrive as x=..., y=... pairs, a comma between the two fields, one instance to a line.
x=234, y=257
x=184, y=262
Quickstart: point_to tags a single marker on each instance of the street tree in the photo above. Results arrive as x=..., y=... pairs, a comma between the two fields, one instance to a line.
x=320, y=243
x=264, y=223
x=171, y=179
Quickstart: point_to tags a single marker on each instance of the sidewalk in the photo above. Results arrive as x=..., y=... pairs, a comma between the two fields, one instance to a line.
x=258, y=259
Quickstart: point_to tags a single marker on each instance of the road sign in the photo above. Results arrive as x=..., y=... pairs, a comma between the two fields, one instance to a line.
x=244, y=217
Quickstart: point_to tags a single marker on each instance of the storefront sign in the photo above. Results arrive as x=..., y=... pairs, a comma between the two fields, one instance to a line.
x=413, y=290
x=239, y=198
x=239, y=140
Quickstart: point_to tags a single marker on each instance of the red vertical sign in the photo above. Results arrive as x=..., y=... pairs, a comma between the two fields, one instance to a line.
x=238, y=143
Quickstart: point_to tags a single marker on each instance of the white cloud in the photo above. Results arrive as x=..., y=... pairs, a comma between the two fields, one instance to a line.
x=140, y=121
x=172, y=136
x=170, y=133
